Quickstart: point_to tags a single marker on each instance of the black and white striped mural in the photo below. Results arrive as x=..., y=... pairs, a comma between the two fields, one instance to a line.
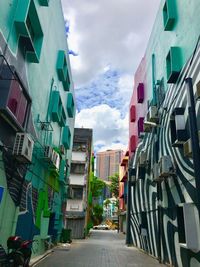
x=157, y=217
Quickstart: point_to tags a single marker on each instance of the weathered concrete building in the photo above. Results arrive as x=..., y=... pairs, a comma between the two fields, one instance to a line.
x=77, y=202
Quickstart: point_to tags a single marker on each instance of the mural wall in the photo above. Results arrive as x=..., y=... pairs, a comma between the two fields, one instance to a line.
x=37, y=110
x=159, y=214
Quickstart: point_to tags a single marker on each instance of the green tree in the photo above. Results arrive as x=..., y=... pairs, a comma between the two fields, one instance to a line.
x=97, y=214
x=97, y=186
x=107, y=202
x=114, y=186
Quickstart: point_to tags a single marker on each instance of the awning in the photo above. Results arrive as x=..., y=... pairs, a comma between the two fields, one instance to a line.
x=125, y=177
x=124, y=161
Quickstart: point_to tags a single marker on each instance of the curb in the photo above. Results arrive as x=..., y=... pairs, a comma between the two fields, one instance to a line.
x=37, y=259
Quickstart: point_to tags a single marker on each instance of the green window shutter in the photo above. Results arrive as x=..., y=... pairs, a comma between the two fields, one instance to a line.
x=63, y=118
x=66, y=138
x=44, y=2
x=56, y=104
x=62, y=171
x=66, y=83
x=70, y=105
x=62, y=70
x=173, y=64
x=28, y=26
x=169, y=15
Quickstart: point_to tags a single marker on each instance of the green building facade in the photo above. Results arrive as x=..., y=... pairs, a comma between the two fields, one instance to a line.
x=37, y=111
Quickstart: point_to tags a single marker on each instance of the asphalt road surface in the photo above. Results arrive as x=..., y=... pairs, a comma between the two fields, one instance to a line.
x=102, y=249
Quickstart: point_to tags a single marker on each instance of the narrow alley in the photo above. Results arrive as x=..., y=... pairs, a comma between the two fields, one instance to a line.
x=102, y=249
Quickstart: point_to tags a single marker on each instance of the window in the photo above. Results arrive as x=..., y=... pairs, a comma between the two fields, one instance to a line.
x=133, y=143
x=66, y=137
x=140, y=93
x=56, y=111
x=188, y=226
x=181, y=225
x=28, y=28
x=173, y=64
x=62, y=70
x=15, y=101
x=132, y=113
x=77, y=193
x=169, y=16
x=70, y=105
x=77, y=168
x=178, y=129
x=140, y=125
x=63, y=118
x=44, y=2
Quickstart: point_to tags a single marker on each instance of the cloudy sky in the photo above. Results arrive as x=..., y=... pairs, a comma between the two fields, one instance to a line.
x=107, y=40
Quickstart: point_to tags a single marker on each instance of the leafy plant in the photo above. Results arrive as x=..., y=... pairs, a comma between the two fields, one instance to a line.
x=114, y=186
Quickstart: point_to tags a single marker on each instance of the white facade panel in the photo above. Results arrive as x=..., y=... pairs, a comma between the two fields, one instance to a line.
x=79, y=156
x=77, y=179
x=75, y=205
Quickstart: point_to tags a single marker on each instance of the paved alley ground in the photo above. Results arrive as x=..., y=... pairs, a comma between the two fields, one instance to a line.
x=102, y=249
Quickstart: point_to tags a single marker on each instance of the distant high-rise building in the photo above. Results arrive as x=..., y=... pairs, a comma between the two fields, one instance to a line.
x=107, y=163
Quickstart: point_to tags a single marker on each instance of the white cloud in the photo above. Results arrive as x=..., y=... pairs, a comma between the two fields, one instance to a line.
x=110, y=38
x=109, y=129
x=113, y=31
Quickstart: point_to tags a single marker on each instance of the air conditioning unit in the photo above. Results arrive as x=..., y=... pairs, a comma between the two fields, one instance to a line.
x=48, y=153
x=23, y=147
x=166, y=166
x=56, y=159
x=156, y=173
x=152, y=114
x=142, y=158
x=187, y=148
x=147, y=127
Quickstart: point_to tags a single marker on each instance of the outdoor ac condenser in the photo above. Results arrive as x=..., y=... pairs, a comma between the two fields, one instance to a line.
x=187, y=148
x=156, y=175
x=152, y=114
x=166, y=166
x=56, y=159
x=23, y=147
x=48, y=152
x=142, y=158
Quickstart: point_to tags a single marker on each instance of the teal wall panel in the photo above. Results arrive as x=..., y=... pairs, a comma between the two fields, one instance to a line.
x=40, y=80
